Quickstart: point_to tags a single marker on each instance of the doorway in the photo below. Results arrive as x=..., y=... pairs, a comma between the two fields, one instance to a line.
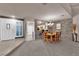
x=30, y=30
x=19, y=29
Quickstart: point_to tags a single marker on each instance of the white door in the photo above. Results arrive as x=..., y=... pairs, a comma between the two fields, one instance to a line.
x=7, y=29
x=30, y=30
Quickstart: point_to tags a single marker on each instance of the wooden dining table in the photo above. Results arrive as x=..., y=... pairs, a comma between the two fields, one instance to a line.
x=51, y=37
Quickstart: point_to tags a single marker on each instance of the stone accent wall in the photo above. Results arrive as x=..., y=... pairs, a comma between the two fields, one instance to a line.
x=66, y=32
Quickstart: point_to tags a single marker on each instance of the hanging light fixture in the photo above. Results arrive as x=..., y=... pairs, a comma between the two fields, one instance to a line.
x=52, y=24
x=49, y=24
x=39, y=22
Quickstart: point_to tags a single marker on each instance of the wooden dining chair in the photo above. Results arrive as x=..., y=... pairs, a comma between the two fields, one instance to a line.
x=53, y=37
x=45, y=36
x=58, y=36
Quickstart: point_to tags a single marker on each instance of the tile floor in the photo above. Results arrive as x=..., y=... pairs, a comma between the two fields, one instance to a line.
x=41, y=48
x=8, y=45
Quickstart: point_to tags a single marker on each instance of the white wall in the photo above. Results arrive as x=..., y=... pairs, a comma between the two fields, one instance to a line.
x=7, y=34
x=76, y=21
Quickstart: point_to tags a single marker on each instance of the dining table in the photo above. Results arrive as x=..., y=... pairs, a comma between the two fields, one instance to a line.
x=50, y=36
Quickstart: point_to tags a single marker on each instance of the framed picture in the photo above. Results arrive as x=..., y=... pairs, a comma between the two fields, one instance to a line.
x=58, y=26
x=7, y=26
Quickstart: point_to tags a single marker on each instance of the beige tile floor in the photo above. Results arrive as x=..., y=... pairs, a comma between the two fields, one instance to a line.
x=41, y=48
x=8, y=45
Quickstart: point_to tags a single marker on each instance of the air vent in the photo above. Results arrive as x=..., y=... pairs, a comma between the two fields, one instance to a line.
x=62, y=15
x=44, y=3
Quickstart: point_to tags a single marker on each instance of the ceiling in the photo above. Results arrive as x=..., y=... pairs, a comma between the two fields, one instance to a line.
x=49, y=11
x=75, y=8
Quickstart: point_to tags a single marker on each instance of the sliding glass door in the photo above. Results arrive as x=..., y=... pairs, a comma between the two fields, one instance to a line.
x=19, y=29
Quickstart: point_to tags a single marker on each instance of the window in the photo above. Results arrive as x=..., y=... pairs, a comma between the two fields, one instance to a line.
x=58, y=26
